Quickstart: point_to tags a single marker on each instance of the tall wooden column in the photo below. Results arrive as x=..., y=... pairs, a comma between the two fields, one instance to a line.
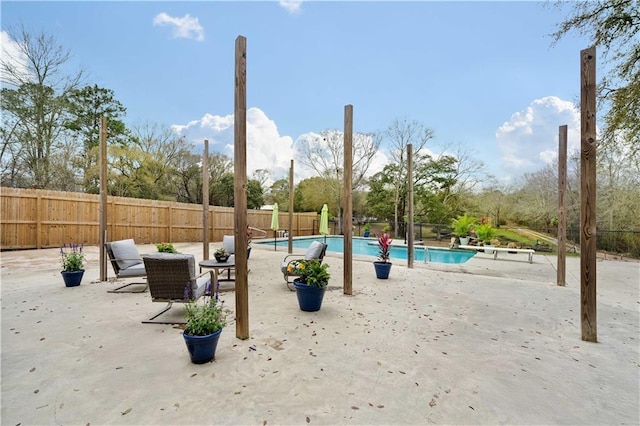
x=562, y=206
x=410, y=205
x=291, y=208
x=348, y=200
x=588, y=194
x=205, y=201
x=240, y=190
x=103, y=199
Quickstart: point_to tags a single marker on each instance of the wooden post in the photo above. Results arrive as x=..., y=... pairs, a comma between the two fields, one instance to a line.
x=103, y=199
x=240, y=190
x=562, y=206
x=410, y=205
x=205, y=201
x=39, y=225
x=291, y=208
x=588, y=194
x=348, y=207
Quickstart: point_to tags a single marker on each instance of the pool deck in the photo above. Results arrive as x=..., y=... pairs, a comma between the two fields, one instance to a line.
x=484, y=342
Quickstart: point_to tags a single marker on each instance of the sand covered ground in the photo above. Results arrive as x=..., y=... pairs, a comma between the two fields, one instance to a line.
x=486, y=342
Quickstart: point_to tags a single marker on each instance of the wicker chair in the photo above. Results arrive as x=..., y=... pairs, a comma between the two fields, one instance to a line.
x=171, y=279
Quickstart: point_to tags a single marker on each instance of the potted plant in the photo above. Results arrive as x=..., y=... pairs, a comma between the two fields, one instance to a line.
x=204, y=324
x=462, y=225
x=221, y=255
x=72, y=264
x=166, y=248
x=366, y=229
x=382, y=265
x=311, y=282
x=485, y=233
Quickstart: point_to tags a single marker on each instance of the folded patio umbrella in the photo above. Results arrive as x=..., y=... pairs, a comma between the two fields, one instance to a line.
x=324, y=222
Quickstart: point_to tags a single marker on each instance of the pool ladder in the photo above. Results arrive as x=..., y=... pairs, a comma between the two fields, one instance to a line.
x=426, y=253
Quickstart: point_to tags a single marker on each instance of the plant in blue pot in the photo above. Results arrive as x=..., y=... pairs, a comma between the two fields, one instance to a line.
x=382, y=265
x=204, y=323
x=72, y=264
x=311, y=283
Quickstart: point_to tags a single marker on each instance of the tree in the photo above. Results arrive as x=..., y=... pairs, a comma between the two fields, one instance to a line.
x=86, y=107
x=279, y=193
x=381, y=193
x=312, y=193
x=224, y=192
x=33, y=106
x=324, y=153
x=255, y=194
x=434, y=181
x=400, y=134
x=188, y=171
x=613, y=26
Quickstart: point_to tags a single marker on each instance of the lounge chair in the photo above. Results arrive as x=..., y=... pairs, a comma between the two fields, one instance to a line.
x=172, y=279
x=316, y=250
x=229, y=244
x=126, y=263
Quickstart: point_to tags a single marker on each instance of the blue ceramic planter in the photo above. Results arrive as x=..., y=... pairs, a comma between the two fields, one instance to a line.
x=309, y=297
x=202, y=348
x=72, y=279
x=382, y=269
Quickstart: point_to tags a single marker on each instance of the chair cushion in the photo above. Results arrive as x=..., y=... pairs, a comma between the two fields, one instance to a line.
x=133, y=271
x=126, y=252
x=314, y=251
x=229, y=243
x=200, y=285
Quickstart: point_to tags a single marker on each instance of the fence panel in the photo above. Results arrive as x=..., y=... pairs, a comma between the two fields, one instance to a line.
x=31, y=218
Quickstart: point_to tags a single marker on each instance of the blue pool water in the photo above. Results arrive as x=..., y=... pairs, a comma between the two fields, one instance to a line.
x=369, y=247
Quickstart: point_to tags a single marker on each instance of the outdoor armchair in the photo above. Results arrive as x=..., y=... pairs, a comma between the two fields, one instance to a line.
x=126, y=263
x=316, y=251
x=172, y=278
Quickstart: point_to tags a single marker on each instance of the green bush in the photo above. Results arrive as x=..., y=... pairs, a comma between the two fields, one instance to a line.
x=462, y=225
x=166, y=248
x=485, y=231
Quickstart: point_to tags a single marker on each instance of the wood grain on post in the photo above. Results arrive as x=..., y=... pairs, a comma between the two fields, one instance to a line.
x=348, y=207
x=205, y=201
x=291, y=208
x=240, y=190
x=562, y=206
x=410, y=205
x=103, y=199
x=588, y=194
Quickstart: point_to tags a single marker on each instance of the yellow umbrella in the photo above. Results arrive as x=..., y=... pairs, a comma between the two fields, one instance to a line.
x=274, y=224
x=324, y=222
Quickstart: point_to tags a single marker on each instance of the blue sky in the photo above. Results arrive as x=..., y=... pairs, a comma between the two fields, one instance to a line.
x=482, y=75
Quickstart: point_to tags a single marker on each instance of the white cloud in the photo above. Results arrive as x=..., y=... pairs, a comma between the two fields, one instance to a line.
x=185, y=27
x=291, y=6
x=266, y=148
x=529, y=140
x=13, y=57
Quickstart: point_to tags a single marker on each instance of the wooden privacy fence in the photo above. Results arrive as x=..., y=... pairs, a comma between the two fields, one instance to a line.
x=33, y=218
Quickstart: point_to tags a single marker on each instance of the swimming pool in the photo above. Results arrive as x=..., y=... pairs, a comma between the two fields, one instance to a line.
x=369, y=247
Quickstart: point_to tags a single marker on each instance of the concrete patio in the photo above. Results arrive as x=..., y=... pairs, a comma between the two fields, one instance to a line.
x=485, y=342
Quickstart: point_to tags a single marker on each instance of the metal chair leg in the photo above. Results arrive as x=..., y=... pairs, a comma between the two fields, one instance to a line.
x=118, y=289
x=165, y=309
